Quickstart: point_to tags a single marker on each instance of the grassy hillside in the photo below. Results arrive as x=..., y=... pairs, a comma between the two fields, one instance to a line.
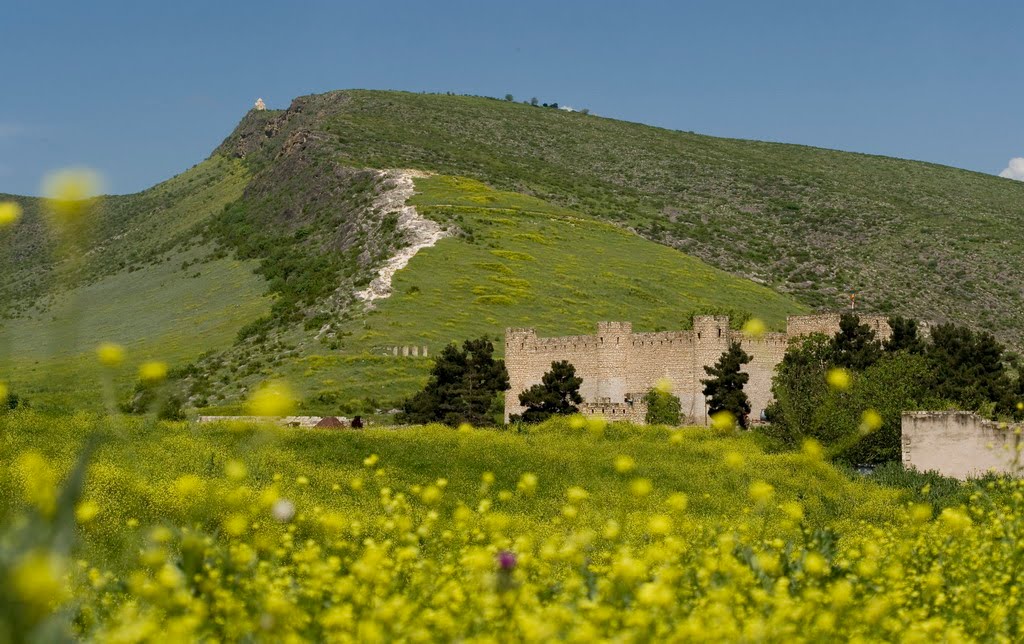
x=515, y=261
x=908, y=237
x=551, y=211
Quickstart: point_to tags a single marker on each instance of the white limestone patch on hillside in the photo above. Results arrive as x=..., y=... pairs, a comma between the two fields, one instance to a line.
x=418, y=231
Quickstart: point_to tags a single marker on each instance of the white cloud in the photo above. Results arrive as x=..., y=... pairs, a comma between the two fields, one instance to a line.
x=1014, y=169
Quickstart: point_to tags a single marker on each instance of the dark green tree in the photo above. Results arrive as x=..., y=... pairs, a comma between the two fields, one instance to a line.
x=855, y=346
x=558, y=393
x=724, y=389
x=969, y=369
x=663, y=408
x=463, y=386
x=906, y=336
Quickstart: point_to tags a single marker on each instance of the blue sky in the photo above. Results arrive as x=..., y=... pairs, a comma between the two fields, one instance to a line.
x=142, y=90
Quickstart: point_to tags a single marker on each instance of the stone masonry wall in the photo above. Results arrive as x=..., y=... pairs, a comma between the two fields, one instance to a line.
x=617, y=364
x=960, y=444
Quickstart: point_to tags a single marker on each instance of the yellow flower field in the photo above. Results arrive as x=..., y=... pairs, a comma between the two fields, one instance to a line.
x=573, y=531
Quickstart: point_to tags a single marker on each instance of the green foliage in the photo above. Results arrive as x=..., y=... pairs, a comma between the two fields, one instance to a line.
x=956, y=366
x=154, y=399
x=557, y=394
x=663, y=408
x=895, y=383
x=799, y=388
x=854, y=346
x=969, y=368
x=724, y=388
x=463, y=387
x=906, y=336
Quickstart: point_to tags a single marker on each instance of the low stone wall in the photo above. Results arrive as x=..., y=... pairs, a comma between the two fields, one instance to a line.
x=287, y=421
x=960, y=444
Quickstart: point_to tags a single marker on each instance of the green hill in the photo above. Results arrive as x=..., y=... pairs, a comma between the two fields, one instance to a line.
x=246, y=266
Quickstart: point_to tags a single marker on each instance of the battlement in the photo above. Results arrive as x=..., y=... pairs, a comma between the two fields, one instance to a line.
x=615, y=360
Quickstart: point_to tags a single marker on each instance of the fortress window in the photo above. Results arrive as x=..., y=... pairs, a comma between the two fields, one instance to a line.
x=719, y=331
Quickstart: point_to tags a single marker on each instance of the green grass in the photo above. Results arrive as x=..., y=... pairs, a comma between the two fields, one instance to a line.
x=527, y=263
x=141, y=488
x=159, y=312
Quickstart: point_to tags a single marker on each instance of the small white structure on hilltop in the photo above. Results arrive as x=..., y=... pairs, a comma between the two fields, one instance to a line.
x=260, y=105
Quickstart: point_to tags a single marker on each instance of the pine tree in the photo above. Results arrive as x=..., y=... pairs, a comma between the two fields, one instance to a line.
x=558, y=393
x=855, y=346
x=906, y=336
x=462, y=388
x=724, y=389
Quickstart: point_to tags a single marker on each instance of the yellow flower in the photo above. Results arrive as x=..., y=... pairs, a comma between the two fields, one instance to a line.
x=664, y=385
x=723, y=421
x=839, y=379
x=624, y=464
x=577, y=494
x=640, y=487
x=110, y=354
x=86, y=511
x=870, y=421
x=761, y=492
x=70, y=193
x=659, y=524
x=371, y=460
x=235, y=470
x=677, y=501
x=793, y=510
x=527, y=483
x=577, y=421
x=754, y=328
x=956, y=520
x=274, y=398
x=465, y=428
x=36, y=579
x=813, y=450
x=152, y=372
x=430, y=495
x=920, y=512
x=1020, y=406
x=815, y=564
x=236, y=525
x=734, y=460
x=10, y=213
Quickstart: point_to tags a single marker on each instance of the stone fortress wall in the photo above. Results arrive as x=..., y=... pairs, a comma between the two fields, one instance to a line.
x=619, y=366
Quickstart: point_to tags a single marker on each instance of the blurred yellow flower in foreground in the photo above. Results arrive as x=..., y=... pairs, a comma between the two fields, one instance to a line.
x=839, y=379
x=870, y=421
x=761, y=492
x=3, y=391
x=10, y=213
x=624, y=464
x=86, y=511
x=723, y=421
x=38, y=579
x=754, y=328
x=274, y=398
x=153, y=372
x=110, y=354
x=664, y=385
x=70, y=193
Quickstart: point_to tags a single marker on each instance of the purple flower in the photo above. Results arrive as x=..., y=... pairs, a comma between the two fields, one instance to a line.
x=507, y=560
